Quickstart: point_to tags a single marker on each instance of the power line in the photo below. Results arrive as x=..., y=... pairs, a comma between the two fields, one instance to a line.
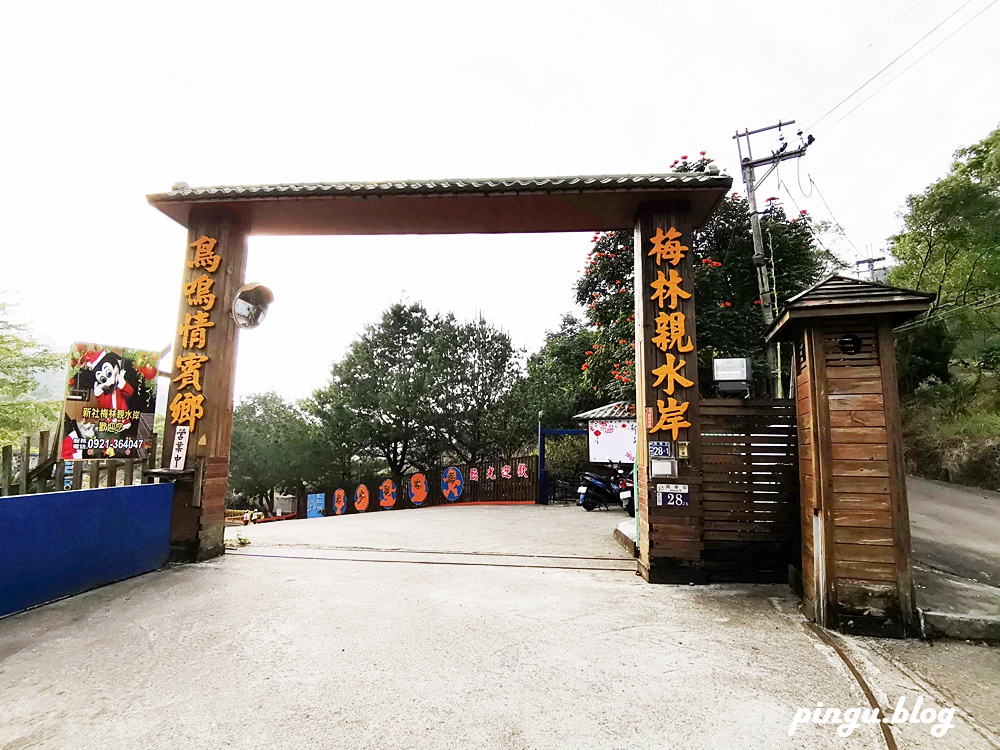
x=911, y=157
x=830, y=211
x=853, y=59
x=886, y=67
x=979, y=304
x=898, y=140
x=783, y=184
x=874, y=93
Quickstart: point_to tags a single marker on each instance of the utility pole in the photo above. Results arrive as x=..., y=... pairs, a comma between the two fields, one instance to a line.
x=870, y=262
x=747, y=165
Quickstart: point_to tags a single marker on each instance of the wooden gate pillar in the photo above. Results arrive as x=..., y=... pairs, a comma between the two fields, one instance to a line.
x=668, y=491
x=856, y=566
x=201, y=388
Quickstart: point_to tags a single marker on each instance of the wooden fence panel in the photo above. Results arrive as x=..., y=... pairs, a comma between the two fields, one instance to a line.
x=750, y=494
x=23, y=471
x=501, y=479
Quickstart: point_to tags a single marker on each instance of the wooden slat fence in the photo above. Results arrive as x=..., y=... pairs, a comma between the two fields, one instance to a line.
x=520, y=486
x=46, y=472
x=750, y=493
x=502, y=487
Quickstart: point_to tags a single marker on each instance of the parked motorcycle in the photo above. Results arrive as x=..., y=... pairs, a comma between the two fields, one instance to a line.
x=606, y=490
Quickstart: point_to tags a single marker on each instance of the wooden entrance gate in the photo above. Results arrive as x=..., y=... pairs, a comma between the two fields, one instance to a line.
x=751, y=489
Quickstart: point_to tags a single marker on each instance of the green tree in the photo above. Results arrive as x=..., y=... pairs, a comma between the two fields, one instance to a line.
x=727, y=304
x=470, y=403
x=385, y=395
x=22, y=359
x=950, y=244
x=553, y=382
x=275, y=446
x=417, y=388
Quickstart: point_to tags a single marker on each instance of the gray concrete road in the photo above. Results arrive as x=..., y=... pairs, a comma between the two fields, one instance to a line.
x=955, y=529
x=465, y=627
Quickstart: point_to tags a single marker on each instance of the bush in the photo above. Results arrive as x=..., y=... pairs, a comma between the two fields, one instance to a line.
x=923, y=352
x=566, y=454
x=951, y=431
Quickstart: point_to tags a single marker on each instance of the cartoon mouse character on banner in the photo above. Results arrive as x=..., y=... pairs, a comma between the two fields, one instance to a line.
x=110, y=388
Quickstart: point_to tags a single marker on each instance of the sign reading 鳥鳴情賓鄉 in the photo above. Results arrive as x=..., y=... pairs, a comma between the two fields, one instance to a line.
x=187, y=406
x=110, y=403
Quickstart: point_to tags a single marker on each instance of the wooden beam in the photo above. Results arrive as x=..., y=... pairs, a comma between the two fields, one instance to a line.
x=198, y=525
x=897, y=480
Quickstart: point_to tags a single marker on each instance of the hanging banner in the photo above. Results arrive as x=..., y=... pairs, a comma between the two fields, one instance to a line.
x=612, y=440
x=110, y=403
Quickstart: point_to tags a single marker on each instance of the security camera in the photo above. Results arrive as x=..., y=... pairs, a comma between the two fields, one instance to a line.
x=250, y=304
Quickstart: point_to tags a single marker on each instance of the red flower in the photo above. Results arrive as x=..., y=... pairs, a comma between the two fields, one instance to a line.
x=756, y=301
x=622, y=342
x=584, y=366
x=684, y=158
x=589, y=353
x=702, y=153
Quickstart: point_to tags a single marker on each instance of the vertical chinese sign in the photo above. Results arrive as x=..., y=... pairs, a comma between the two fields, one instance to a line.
x=187, y=406
x=667, y=395
x=201, y=386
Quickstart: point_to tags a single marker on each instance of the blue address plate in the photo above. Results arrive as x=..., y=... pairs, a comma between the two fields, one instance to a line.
x=673, y=494
x=661, y=450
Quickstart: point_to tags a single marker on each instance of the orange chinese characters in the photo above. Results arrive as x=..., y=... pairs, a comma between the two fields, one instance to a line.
x=194, y=330
x=199, y=292
x=187, y=408
x=666, y=247
x=387, y=494
x=361, y=498
x=190, y=367
x=668, y=290
x=418, y=489
x=204, y=254
x=671, y=373
x=670, y=332
x=671, y=417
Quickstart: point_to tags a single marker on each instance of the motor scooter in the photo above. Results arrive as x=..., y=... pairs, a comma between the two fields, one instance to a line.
x=605, y=490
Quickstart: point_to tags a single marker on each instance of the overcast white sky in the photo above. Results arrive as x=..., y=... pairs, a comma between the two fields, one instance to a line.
x=107, y=102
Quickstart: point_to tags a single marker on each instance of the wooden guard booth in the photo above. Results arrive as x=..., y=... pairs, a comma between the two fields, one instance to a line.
x=856, y=564
x=661, y=208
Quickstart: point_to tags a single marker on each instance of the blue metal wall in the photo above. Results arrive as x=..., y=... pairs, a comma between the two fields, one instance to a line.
x=62, y=543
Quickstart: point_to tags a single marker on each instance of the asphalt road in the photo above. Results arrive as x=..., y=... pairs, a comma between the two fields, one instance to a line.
x=464, y=627
x=955, y=529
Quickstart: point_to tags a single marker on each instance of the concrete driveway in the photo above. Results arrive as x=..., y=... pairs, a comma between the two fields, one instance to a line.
x=451, y=627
